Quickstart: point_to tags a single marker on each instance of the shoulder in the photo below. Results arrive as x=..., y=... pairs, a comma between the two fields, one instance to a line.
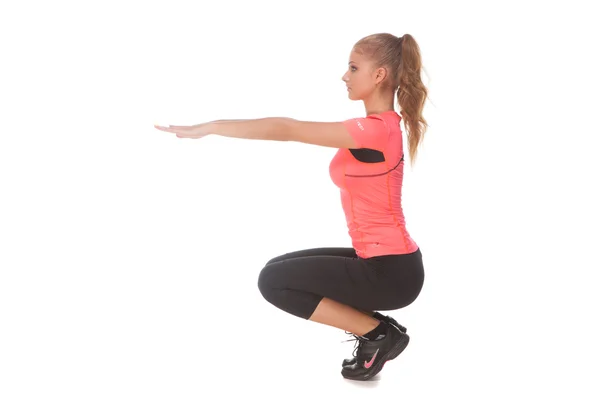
x=371, y=122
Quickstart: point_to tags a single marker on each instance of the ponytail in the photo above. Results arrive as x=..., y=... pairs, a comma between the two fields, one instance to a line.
x=412, y=93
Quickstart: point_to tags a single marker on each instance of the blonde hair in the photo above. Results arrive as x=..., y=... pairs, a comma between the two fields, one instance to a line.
x=402, y=57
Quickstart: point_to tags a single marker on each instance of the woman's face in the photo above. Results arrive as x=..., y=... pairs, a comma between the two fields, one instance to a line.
x=359, y=77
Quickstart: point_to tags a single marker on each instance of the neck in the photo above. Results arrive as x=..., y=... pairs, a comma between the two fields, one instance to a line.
x=379, y=104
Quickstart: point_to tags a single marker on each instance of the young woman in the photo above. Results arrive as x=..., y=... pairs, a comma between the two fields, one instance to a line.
x=383, y=270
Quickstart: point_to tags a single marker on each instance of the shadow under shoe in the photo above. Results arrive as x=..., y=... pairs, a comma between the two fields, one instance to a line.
x=371, y=355
x=387, y=319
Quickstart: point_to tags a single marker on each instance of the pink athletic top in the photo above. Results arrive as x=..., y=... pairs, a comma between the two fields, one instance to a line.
x=371, y=189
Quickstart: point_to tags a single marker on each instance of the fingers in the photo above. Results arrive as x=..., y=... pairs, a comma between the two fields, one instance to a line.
x=168, y=129
x=180, y=131
x=162, y=128
x=174, y=126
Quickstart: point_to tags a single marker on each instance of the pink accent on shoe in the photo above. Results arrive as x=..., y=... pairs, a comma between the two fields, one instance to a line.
x=368, y=364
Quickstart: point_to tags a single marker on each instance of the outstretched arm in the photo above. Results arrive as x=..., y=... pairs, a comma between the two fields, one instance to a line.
x=328, y=134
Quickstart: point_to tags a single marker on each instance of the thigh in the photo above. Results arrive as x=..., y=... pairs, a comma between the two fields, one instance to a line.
x=321, y=251
x=344, y=278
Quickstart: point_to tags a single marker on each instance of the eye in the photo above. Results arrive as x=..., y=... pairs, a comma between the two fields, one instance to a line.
x=353, y=68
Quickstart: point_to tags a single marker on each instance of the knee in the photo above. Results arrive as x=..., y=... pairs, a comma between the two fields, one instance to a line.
x=266, y=280
x=275, y=259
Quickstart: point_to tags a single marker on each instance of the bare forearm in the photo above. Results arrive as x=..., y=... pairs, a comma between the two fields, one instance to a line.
x=274, y=128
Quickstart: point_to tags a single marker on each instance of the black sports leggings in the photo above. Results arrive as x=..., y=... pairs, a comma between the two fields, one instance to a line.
x=296, y=282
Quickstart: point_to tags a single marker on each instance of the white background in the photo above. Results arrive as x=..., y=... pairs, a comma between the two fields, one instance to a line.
x=129, y=258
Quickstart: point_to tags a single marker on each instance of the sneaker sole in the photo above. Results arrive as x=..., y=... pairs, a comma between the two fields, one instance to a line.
x=395, y=352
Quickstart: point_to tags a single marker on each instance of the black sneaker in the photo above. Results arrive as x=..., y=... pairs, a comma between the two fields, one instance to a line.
x=384, y=318
x=371, y=355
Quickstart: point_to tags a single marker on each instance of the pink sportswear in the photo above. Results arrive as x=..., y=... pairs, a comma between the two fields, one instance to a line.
x=371, y=193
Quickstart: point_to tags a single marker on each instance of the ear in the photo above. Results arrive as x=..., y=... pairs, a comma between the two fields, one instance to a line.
x=380, y=74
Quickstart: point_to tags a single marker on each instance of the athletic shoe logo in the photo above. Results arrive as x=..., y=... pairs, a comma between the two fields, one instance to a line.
x=368, y=364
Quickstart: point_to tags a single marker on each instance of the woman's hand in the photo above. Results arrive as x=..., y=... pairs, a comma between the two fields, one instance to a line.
x=191, y=132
